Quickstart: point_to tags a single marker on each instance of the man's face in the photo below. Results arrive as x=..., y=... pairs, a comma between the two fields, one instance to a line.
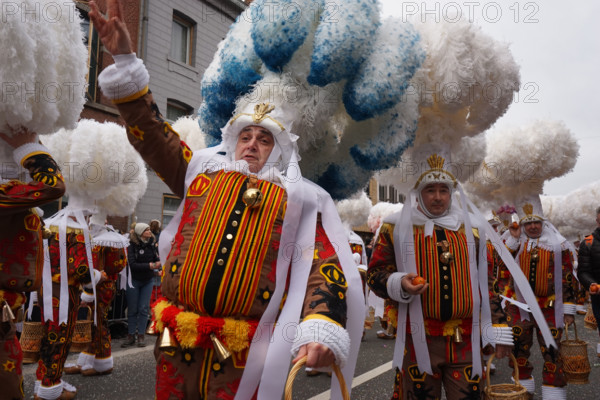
x=254, y=145
x=533, y=229
x=436, y=198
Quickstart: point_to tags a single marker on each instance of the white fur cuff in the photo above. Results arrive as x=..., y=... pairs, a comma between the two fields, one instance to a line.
x=87, y=297
x=22, y=152
x=85, y=360
x=503, y=335
x=103, y=364
x=50, y=392
x=96, y=276
x=324, y=332
x=528, y=384
x=554, y=393
x=394, y=288
x=512, y=242
x=126, y=77
x=569, y=309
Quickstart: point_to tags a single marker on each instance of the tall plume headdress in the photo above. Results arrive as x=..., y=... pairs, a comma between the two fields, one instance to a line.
x=352, y=88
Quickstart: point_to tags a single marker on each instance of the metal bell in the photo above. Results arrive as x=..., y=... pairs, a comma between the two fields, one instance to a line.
x=446, y=257
x=551, y=304
x=167, y=341
x=20, y=314
x=151, y=331
x=252, y=197
x=7, y=314
x=220, y=350
x=456, y=335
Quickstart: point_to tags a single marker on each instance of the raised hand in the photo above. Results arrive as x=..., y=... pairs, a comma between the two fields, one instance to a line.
x=18, y=139
x=112, y=31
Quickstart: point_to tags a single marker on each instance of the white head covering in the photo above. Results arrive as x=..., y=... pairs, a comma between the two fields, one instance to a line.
x=436, y=174
x=532, y=210
x=275, y=120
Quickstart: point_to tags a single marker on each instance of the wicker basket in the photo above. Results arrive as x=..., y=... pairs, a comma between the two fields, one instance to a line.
x=589, y=321
x=294, y=371
x=575, y=358
x=31, y=340
x=504, y=391
x=82, y=333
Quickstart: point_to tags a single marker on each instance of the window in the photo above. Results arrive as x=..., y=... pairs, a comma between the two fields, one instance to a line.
x=382, y=193
x=177, y=109
x=90, y=39
x=390, y=194
x=169, y=208
x=182, y=39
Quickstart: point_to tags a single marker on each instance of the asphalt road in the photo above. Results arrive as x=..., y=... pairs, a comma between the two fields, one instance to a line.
x=134, y=372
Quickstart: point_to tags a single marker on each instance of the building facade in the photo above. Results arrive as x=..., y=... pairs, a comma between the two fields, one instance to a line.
x=178, y=40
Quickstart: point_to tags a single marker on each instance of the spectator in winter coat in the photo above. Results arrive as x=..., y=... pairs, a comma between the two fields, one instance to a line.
x=143, y=262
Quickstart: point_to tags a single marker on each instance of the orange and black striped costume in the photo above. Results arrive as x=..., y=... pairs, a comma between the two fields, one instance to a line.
x=220, y=271
x=537, y=264
x=447, y=305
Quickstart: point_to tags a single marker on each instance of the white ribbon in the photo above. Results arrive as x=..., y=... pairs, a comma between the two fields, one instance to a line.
x=62, y=220
x=88, y=251
x=404, y=246
x=33, y=297
x=522, y=306
x=519, y=279
x=47, y=285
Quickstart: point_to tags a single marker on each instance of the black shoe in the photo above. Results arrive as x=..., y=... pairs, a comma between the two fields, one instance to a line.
x=130, y=341
x=141, y=342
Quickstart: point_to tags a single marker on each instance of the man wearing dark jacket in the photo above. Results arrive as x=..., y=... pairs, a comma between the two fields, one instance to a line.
x=589, y=268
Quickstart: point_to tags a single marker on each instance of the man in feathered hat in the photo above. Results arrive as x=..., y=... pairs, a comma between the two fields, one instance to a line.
x=589, y=268
x=21, y=254
x=546, y=259
x=434, y=239
x=250, y=232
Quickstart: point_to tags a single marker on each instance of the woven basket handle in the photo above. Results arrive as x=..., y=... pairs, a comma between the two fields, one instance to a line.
x=32, y=306
x=294, y=371
x=89, y=316
x=567, y=331
x=489, y=366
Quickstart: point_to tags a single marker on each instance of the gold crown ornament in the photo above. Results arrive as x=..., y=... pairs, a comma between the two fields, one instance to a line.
x=436, y=173
x=261, y=113
x=529, y=215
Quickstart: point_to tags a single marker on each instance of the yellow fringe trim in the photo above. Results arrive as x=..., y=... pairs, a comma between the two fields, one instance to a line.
x=450, y=325
x=235, y=333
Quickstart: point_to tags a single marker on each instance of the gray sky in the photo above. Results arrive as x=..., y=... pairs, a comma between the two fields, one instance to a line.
x=556, y=44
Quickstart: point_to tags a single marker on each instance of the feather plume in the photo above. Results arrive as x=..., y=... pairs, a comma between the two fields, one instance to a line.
x=115, y=178
x=354, y=211
x=40, y=90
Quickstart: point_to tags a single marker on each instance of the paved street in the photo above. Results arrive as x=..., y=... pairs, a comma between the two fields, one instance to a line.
x=133, y=375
